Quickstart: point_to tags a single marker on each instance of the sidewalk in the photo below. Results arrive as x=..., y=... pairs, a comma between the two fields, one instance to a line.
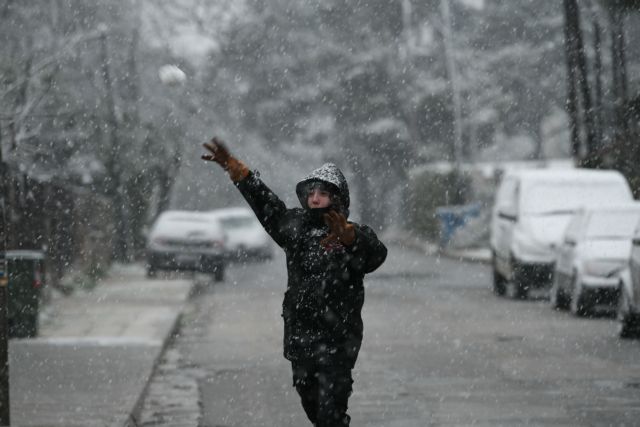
x=482, y=255
x=95, y=353
x=470, y=254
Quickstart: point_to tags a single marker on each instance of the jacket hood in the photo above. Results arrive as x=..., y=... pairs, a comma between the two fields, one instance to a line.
x=331, y=175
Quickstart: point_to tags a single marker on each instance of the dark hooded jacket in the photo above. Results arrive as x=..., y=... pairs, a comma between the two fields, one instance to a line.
x=325, y=293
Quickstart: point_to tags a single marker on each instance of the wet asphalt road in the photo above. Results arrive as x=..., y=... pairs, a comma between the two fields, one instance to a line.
x=439, y=350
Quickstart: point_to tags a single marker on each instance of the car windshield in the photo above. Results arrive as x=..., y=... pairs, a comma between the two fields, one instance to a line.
x=565, y=198
x=238, y=222
x=612, y=225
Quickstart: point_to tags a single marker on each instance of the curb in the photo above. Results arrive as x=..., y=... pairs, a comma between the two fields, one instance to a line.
x=467, y=256
x=136, y=412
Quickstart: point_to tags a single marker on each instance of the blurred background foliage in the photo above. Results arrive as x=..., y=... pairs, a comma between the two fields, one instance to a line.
x=291, y=84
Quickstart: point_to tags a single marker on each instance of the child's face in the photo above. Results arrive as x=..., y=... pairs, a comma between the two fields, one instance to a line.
x=318, y=198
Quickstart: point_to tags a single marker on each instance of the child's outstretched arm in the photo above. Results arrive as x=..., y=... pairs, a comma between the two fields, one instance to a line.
x=267, y=206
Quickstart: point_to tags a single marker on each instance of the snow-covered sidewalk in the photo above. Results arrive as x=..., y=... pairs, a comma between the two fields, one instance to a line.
x=96, y=351
x=406, y=239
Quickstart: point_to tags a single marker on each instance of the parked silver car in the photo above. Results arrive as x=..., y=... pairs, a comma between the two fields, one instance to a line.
x=628, y=312
x=595, y=248
x=186, y=240
x=246, y=238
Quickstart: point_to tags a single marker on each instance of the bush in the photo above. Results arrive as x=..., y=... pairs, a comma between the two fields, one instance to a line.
x=429, y=190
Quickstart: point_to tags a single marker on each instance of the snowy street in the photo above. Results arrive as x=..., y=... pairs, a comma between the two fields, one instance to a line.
x=487, y=150
x=439, y=349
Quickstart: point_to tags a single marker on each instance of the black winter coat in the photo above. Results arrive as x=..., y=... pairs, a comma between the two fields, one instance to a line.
x=325, y=293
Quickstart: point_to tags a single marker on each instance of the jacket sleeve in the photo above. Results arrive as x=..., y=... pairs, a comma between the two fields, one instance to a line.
x=267, y=206
x=368, y=253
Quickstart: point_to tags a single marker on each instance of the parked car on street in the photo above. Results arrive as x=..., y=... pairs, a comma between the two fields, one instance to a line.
x=628, y=312
x=186, y=241
x=628, y=309
x=530, y=213
x=595, y=248
x=246, y=238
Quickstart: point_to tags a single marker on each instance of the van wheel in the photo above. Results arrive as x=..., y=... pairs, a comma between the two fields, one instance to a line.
x=628, y=323
x=520, y=280
x=581, y=304
x=558, y=298
x=499, y=282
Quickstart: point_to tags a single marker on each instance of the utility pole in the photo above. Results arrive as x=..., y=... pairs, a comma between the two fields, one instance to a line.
x=454, y=84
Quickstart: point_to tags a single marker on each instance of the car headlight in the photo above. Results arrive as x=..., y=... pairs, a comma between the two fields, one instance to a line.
x=603, y=268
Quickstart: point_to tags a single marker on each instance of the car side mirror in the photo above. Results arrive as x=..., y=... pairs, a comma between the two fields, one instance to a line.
x=636, y=241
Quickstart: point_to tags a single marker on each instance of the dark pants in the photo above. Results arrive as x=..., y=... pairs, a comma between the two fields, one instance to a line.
x=324, y=392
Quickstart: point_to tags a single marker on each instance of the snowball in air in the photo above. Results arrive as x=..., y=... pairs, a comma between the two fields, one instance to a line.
x=171, y=75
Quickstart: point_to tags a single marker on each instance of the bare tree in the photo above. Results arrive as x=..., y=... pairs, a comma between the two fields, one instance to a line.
x=578, y=83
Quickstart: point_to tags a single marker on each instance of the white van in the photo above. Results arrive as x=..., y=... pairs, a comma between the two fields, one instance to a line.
x=530, y=214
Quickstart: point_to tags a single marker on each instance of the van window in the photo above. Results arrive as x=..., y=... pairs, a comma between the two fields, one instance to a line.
x=565, y=197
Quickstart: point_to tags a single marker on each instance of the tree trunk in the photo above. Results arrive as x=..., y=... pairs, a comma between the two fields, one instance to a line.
x=164, y=186
x=572, y=94
x=112, y=163
x=573, y=20
x=619, y=71
x=597, y=69
x=135, y=198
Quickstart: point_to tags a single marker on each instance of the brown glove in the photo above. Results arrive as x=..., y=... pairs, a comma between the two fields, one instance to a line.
x=220, y=154
x=340, y=230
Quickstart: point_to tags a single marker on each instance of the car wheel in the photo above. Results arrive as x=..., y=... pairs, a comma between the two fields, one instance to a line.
x=520, y=280
x=218, y=273
x=558, y=298
x=580, y=299
x=499, y=282
x=628, y=323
